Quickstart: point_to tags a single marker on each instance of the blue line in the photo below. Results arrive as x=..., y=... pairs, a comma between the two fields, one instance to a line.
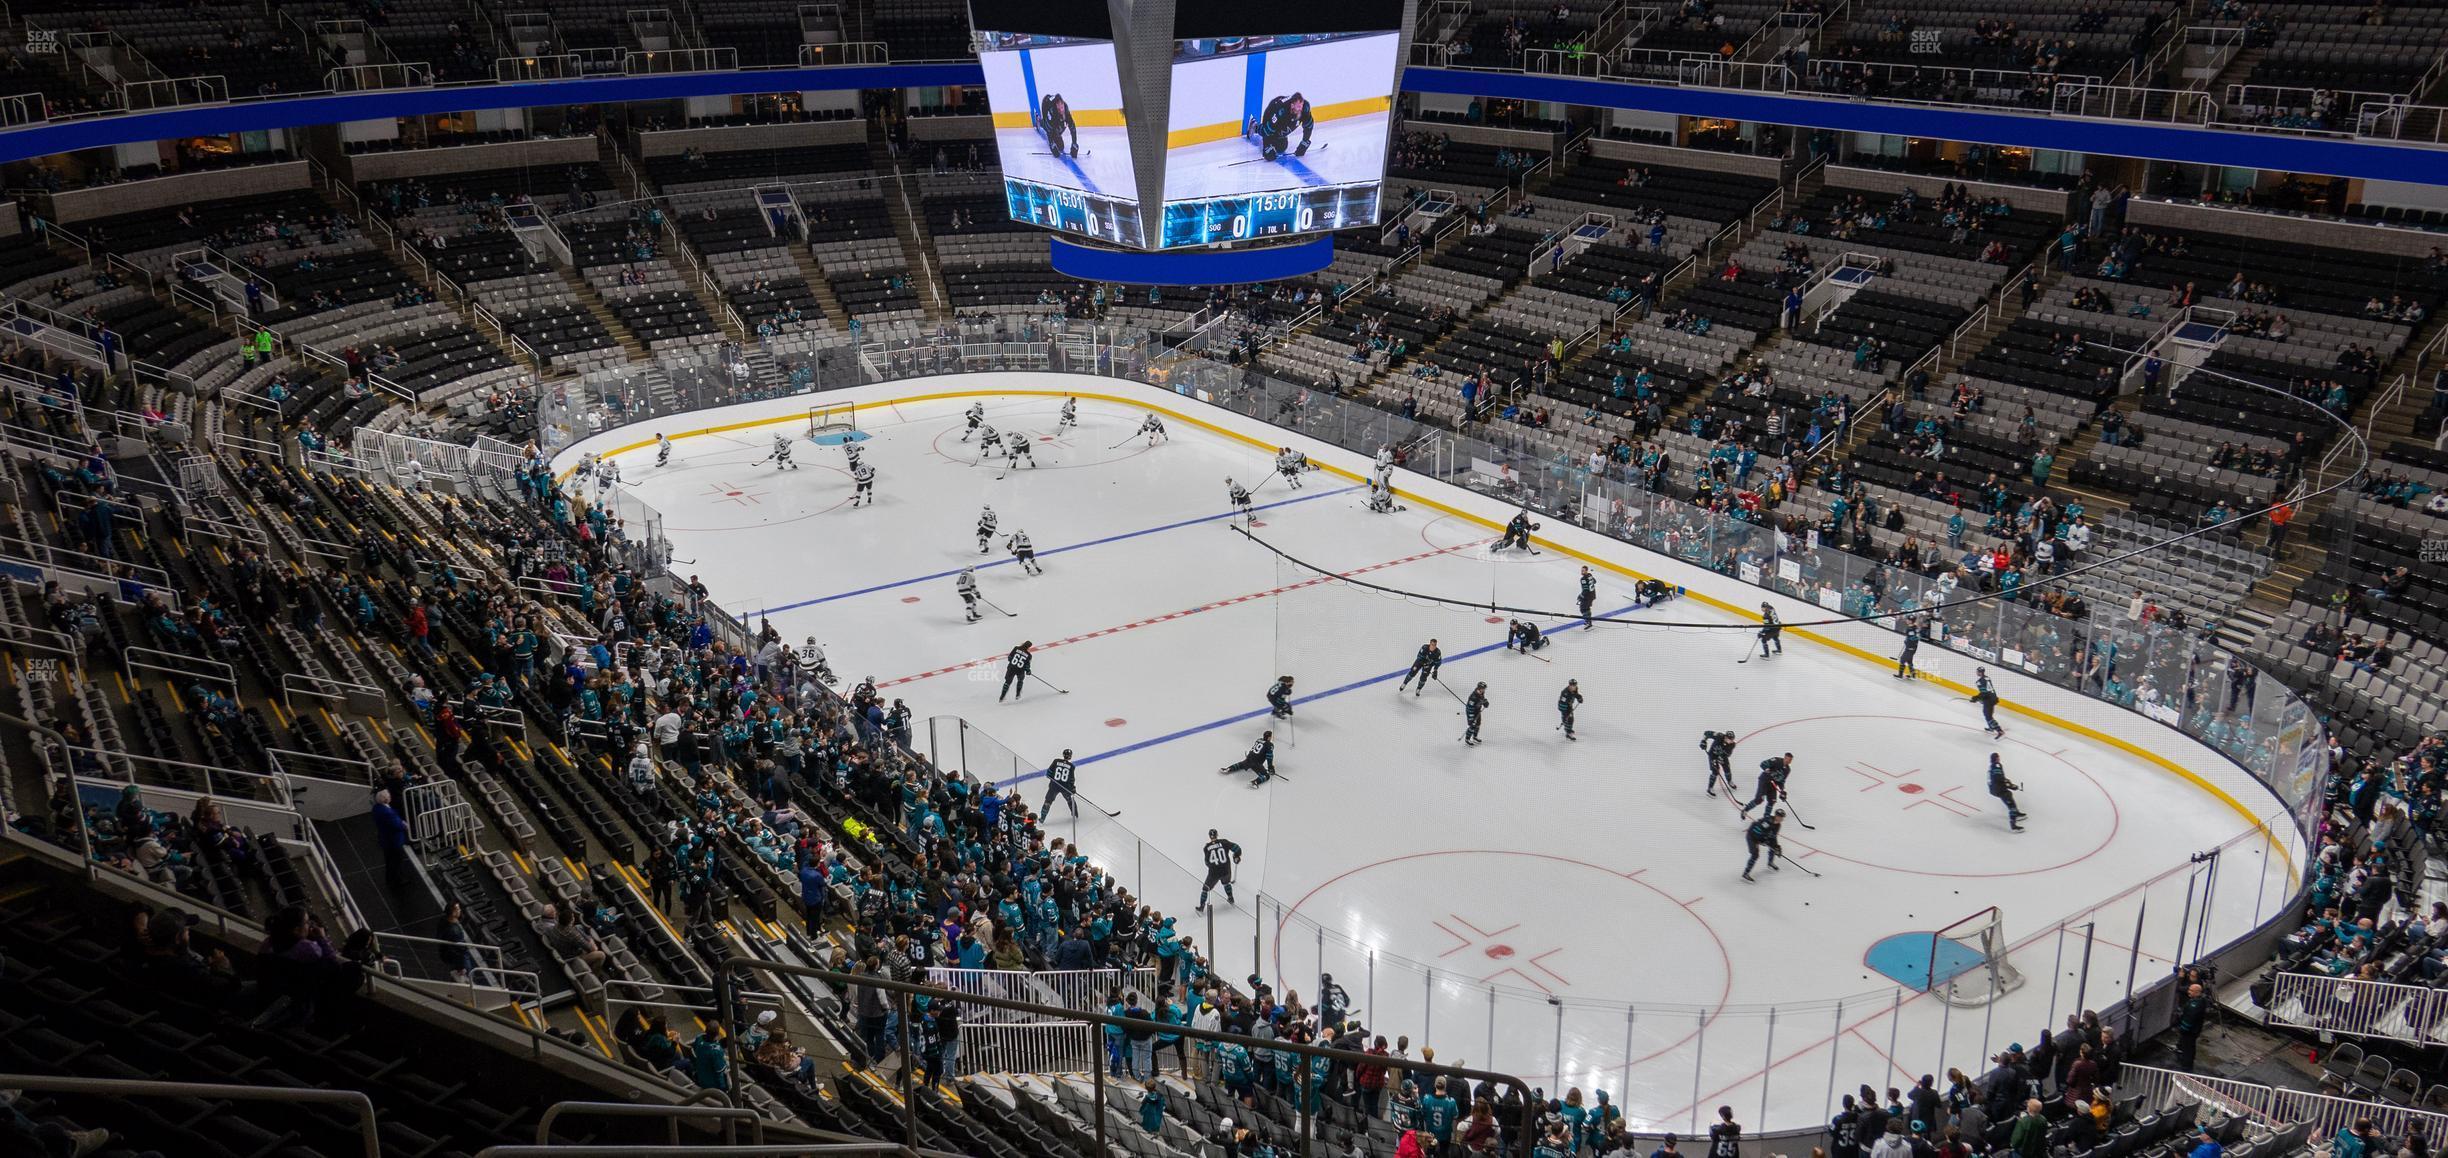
x=1355, y=685
x=1054, y=551
x=1300, y=169
x=1253, y=91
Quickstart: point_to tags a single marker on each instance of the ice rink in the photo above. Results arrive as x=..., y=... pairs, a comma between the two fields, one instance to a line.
x=1103, y=165
x=1570, y=911
x=1344, y=151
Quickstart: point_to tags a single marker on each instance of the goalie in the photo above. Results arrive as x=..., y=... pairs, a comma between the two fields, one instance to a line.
x=1055, y=124
x=1275, y=125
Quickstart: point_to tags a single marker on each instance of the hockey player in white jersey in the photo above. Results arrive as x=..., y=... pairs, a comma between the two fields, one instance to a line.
x=986, y=529
x=1240, y=497
x=976, y=416
x=1291, y=464
x=662, y=450
x=1153, y=427
x=989, y=440
x=967, y=585
x=864, y=476
x=1070, y=415
x=1019, y=448
x=851, y=454
x=1020, y=548
x=781, y=455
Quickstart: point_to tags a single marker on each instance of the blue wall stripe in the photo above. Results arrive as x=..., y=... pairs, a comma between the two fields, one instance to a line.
x=1192, y=267
x=2272, y=151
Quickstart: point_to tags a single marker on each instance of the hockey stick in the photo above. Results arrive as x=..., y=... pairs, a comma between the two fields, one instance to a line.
x=991, y=603
x=1786, y=801
x=1047, y=682
x=1125, y=442
x=1798, y=864
x=1099, y=807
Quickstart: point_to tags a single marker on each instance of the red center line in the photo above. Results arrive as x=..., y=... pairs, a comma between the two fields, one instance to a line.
x=1169, y=617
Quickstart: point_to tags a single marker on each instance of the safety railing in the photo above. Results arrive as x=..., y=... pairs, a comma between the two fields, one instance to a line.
x=173, y=92
x=2415, y=1014
x=1070, y=989
x=1090, y=1026
x=377, y=77
x=2133, y=103
x=2323, y=1114
x=489, y=983
x=845, y=52
x=354, y=1102
x=30, y=108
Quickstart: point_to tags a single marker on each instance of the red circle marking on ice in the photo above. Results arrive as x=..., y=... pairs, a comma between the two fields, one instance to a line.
x=1495, y=619
x=1116, y=722
x=1499, y=952
x=2116, y=815
x=1725, y=959
x=1255, y=524
x=909, y=599
x=1909, y=788
x=733, y=494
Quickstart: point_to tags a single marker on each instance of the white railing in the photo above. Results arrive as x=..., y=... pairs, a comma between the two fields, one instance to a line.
x=1088, y=989
x=2275, y=1108
x=2344, y=1005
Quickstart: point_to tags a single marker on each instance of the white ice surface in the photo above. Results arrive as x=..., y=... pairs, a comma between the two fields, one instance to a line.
x=1454, y=890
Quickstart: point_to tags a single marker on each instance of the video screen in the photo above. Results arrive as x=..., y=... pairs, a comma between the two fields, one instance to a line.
x=1271, y=135
x=1061, y=136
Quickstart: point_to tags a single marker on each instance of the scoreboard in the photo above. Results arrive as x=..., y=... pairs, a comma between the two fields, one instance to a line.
x=1258, y=215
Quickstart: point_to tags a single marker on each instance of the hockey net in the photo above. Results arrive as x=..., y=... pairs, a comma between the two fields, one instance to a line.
x=1968, y=965
x=839, y=418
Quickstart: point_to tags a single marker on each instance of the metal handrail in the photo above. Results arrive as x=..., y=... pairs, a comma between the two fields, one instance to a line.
x=359, y=1105
x=728, y=1115
x=727, y=999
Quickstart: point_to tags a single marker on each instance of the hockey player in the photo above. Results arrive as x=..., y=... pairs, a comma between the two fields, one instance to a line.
x=1018, y=447
x=1016, y=666
x=1153, y=427
x=1517, y=532
x=990, y=440
x=1773, y=772
x=1771, y=632
x=1220, y=856
x=1062, y=780
x=812, y=657
x=1290, y=463
x=1054, y=123
x=1381, y=495
x=781, y=455
x=1279, y=697
x=1385, y=459
x=1070, y=415
x=1261, y=760
x=1762, y=837
x=1240, y=497
x=1526, y=636
x=607, y=476
x=2004, y=790
x=1651, y=592
x=852, y=454
x=976, y=414
x=1985, y=694
x=1019, y=546
x=1275, y=125
x=1566, y=701
x=1588, y=595
x=1424, y=667
x=1904, y=659
x=1720, y=749
x=986, y=529
x=662, y=450
x=967, y=585
x=1474, y=710
x=864, y=476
